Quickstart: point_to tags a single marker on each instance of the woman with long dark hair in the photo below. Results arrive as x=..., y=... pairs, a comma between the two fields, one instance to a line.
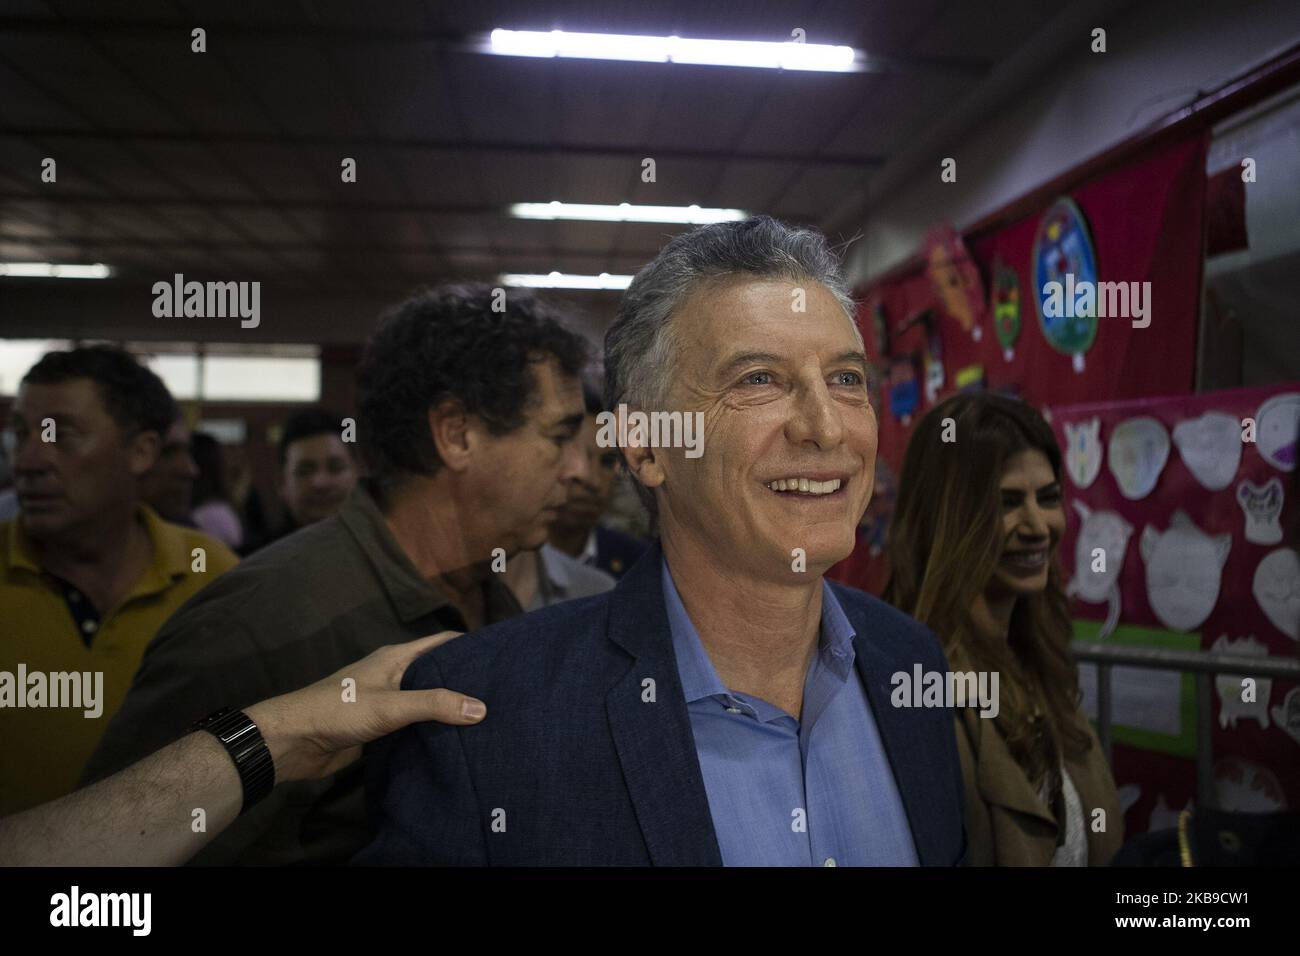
x=972, y=550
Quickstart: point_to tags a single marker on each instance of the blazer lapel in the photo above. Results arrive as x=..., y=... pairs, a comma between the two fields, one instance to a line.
x=653, y=738
x=915, y=768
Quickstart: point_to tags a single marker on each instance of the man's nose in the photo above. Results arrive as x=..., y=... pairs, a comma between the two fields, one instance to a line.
x=575, y=465
x=815, y=418
x=190, y=466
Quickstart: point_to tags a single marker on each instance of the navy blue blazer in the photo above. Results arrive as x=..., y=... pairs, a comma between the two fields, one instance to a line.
x=616, y=552
x=574, y=765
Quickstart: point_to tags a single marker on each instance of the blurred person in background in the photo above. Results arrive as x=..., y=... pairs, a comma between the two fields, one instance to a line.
x=213, y=511
x=8, y=497
x=547, y=575
x=168, y=487
x=468, y=418
x=317, y=471
x=577, y=531
x=973, y=555
x=88, y=572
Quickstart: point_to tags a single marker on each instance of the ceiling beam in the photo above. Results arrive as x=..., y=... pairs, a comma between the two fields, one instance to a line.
x=501, y=147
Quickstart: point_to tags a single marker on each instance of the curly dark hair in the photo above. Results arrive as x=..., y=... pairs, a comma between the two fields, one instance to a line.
x=449, y=343
x=133, y=395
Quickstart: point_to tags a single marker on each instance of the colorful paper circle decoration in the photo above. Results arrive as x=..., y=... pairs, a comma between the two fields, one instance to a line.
x=1064, y=256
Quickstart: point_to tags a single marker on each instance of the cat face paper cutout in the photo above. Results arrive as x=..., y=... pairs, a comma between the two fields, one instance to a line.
x=1231, y=689
x=1210, y=447
x=1287, y=716
x=1243, y=786
x=1136, y=454
x=1262, y=505
x=1276, y=587
x=1276, y=424
x=1083, y=451
x=1098, y=558
x=1184, y=570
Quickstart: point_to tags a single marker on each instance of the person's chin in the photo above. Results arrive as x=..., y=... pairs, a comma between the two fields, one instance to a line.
x=537, y=535
x=1023, y=585
x=43, y=523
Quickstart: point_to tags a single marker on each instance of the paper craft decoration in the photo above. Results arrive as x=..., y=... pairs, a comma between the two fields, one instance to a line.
x=1083, y=451
x=880, y=322
x=1006, y=307
x=956, y=278
x=970, y=378
x=904, y=392
x=1136, y=454
x=1230, y=689
x=1096, y=576
x=1184, y=569
x=1277, y=590
x=1063, y=247
x=1276, y=424
x=1210, y=447
x=1128, y=794
x=1243, y=786
x=1262, y=505
x=1287, y=716
x=933, y=360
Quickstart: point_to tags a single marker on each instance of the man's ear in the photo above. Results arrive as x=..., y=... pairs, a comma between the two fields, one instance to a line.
x=451, y=432
x=143, y=451
x=642, y=460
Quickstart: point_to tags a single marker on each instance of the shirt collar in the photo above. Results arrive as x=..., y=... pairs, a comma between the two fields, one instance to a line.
x=170, y=558
x=413, y=595
x=558, y=575
x=699, y=677
x=589, y=550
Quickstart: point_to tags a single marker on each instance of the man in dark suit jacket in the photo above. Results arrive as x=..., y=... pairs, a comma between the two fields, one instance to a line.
x=724, y=704
x=574, y=766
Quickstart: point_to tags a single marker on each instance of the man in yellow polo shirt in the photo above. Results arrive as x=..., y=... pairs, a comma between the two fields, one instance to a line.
x=88, y=574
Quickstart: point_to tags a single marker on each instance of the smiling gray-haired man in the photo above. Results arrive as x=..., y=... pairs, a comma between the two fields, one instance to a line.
x=724, y=704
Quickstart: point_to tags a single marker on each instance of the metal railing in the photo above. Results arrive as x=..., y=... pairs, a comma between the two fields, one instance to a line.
x=1203, y=664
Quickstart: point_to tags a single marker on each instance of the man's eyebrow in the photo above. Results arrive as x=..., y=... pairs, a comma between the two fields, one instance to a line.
x=857, y=358
x=573, y=421
x=747, y=358
x=60, y=417
x=767, y=358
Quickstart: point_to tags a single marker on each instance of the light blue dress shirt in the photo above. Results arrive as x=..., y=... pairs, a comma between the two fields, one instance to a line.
x=783, y=792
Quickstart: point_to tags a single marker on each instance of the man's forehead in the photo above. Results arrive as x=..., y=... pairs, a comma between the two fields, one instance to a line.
x=320, y=445
x=557, y=396
x=72, y=397
x=728, y=312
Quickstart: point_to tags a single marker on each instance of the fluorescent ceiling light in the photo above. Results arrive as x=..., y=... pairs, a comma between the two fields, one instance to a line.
x=559, y=280
x=623, y=212
x=613, y=46
x=53, y=270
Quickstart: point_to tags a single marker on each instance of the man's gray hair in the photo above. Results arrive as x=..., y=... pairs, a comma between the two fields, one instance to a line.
x=641, y=346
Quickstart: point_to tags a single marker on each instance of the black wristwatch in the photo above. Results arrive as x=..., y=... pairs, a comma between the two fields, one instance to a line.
x=243, y=741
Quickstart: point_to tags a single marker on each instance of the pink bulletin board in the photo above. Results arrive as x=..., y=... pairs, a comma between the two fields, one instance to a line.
x=1189, y=560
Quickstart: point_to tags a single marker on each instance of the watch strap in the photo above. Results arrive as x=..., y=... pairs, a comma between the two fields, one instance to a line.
x=247, y=748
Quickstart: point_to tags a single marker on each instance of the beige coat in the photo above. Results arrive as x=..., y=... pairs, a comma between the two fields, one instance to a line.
x=1007, y=824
